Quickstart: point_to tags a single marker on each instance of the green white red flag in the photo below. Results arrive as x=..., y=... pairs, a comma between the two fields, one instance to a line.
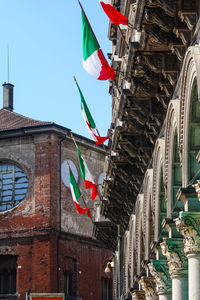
x=76, y=195
x=91, y=126
x=114, y=15
x=85, y=173
x=94, y=61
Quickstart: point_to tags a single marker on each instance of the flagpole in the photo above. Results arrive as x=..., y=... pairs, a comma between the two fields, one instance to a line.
x=97, y=189
x=97, y=41
x=123, y=38
x=87, y=207
x=82, y=197
x=96, y=128
x=90, y=26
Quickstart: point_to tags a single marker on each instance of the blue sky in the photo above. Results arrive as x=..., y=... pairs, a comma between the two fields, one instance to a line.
x=45, y=46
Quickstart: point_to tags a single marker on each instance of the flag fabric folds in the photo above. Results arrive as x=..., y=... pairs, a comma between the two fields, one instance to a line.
x=94, y=61
x=76, y=195
x=85, y=173
x=89, y=121
x=114, y=15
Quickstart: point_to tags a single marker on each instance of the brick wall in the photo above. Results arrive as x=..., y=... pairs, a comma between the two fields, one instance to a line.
x=30, y=230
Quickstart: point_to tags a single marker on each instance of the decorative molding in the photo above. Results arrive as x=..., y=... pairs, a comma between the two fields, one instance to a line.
x=7, y=250
x=190, y=70
x=188, y=224
x=138, y=295
x=160, y=271
x=172, y=125
x=147, y=209
x=149, y=287
x=173, y=249
x=197, y=188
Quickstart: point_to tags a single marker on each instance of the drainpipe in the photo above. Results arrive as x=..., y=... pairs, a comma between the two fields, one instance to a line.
x=59, y=209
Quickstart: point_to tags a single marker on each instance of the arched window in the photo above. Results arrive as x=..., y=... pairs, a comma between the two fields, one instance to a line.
x=176, y=206
x=13, y=186
x=194, y=134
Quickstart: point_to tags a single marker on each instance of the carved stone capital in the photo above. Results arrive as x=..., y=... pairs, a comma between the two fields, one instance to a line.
x=173, y=249
x=188, y=224
x=160, y=271
x=138, y=295
x=149, y=287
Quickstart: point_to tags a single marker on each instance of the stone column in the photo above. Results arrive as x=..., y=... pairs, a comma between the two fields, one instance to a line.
x=160, y=271
x=188, y=225
x=149, y=287
x=173, y=249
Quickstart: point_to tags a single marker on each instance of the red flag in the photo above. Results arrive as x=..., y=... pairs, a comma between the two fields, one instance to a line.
x=114, y=15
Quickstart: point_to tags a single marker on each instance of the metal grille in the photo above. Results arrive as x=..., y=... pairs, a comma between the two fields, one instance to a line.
x=13, y=186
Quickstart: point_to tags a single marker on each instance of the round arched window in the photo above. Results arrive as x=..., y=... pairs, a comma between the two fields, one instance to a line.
x=65, y=172
x=13, y=186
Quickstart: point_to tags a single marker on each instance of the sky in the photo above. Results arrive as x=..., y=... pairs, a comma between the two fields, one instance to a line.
x=45, y=51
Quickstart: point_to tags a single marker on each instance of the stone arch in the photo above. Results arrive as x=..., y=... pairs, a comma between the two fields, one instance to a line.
x=158, y=179
x=139, y=233
x=132, y=257
x=172, y=123
x=190, y=71
x=126, y=261
x=147, y=215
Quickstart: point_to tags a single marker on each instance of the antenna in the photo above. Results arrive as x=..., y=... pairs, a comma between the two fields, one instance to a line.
x=8, y=61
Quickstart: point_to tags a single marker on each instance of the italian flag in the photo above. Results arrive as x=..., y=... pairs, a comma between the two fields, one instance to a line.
x=94, y=61
x=114, y=15
x=85, y=173
x=89, y=120
x=76, y=195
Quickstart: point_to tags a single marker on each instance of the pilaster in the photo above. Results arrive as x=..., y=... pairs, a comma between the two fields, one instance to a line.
x=149, y=287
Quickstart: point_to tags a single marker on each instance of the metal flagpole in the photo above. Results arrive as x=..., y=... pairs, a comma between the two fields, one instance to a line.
x=97, y=189
x=82, y=197
x=97, y=42
x=96, y=128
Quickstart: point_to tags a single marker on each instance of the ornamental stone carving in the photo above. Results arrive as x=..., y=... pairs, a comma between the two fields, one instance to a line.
x=160, y=271
x=149, y=287
x=138, y=295
x=197, y=188
x=173, y=249
x=188, y=224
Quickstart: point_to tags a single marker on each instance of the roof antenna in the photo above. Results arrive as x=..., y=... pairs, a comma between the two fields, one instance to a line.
x=8, y=60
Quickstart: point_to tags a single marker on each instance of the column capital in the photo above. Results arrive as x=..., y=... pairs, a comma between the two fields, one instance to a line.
x=149, y=287
x=188, y=224
x=160, y=271
x=138, y=295
x=173, y=249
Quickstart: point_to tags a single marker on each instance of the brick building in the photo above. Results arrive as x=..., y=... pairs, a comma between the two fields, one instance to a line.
x=45, y=246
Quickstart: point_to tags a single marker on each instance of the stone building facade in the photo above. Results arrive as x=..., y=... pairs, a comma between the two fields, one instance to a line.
x=45, y=245
x=151, y=192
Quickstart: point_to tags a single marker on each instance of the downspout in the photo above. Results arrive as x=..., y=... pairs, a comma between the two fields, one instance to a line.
x=59, y=209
